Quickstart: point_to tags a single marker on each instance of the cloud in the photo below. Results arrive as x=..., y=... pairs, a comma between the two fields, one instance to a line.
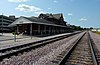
x=55, y=1
x=17, y=1
x=83, y=19
x=49, y=8
x=27, y=8
x=69, y=14
x=64, y=17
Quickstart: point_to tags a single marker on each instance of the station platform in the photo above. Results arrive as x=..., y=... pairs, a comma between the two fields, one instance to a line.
x=7, y=39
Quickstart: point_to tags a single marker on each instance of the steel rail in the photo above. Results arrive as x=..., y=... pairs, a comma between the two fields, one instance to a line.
x=21, y=48
x=41, y=41
x=92, y=51
x=62, y=62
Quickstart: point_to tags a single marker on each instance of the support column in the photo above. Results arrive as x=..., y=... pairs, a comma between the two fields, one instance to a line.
x=45, y=29
x=39, y=29
x=54, y=30
x=31, y=30
x=17, y=29
x=57, y=29
x=60, y=29
x=49, y=29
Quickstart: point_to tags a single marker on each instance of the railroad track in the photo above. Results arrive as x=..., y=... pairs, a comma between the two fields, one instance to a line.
x=80, y=52
x=8, y=52
x=97, y=52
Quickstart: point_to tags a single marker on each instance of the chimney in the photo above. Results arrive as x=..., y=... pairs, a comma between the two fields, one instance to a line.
x=12, y=17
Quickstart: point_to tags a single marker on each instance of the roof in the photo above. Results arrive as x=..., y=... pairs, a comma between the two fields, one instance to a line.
x=56, y=16
x=6, y=17
x=33, y=20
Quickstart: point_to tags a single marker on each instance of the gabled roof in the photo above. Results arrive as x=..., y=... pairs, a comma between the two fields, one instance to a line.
x=27, y=20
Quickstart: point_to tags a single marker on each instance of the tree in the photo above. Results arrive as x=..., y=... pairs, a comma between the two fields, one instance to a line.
x=91, y=28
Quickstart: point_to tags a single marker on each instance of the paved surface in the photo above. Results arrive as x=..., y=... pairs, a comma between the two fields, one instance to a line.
x=7, y=39
x=9, y=36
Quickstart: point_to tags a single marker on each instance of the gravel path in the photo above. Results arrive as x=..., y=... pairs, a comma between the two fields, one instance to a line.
x=42, y=55
x=96, y=39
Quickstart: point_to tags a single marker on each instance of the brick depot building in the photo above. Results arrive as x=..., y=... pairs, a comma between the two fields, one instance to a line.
x=41, y=25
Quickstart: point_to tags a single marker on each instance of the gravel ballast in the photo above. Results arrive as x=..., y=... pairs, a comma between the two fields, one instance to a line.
x=42, y=55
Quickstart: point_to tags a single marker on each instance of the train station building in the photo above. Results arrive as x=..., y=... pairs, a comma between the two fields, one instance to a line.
x=43, y=24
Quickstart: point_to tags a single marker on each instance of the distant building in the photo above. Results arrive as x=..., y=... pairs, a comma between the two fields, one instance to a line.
x=4, y=22
x=43, y=24
x=96, y=29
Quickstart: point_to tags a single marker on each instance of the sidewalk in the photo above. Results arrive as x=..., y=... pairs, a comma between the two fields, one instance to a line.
x=9, y=36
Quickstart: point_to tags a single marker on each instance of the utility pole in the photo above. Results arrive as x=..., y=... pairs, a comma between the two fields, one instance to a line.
x=2, y=23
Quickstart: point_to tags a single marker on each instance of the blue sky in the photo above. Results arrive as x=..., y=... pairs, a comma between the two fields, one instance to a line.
x=85, y=13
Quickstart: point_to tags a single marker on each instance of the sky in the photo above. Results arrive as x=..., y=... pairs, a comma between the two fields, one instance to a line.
x=84, y=13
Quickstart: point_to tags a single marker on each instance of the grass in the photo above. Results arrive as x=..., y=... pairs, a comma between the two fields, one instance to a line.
x=97, y=32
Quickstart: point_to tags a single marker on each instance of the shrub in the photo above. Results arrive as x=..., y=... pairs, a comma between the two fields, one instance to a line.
x=14, y=33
